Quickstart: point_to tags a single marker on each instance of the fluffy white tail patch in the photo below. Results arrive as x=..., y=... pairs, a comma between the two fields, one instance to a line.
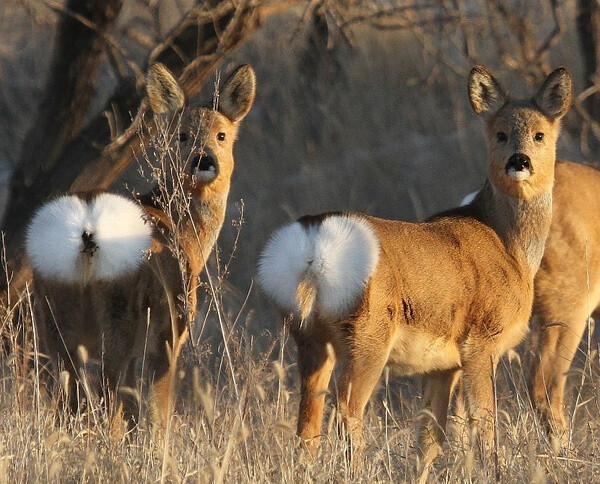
x=338, y=255
x=114, y=225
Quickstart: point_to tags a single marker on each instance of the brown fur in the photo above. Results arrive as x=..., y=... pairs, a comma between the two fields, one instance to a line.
x=448, y=295
x=567, y=289
x=146, y=315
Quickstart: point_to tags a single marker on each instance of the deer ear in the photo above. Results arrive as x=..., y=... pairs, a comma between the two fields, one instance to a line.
x=554, y=97
x=238, y=92
x=485, y=94
x=164, y=92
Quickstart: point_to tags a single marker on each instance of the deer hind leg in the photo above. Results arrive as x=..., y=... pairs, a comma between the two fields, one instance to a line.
x=437, y=391
x=316, y=361
x=558, y=344
x=126, y=405
x=71, y=378
x=63, y=361
x=361, y=370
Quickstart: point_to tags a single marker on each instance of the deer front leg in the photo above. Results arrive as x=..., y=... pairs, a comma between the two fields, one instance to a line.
x=161, y=372
x=315, y=364
x=162, y=362
x=457, y=430
x=479, y=370
x=162, y=366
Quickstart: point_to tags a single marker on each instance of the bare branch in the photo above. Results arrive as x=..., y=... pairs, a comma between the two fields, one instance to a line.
x=557, y=32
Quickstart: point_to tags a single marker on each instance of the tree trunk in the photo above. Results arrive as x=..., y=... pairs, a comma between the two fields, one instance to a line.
x=70, y=88
x=588, y=23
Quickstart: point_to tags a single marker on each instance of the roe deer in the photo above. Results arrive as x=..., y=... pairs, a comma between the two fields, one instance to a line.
x=433, y=298
x=116, y=279
x=567, y=290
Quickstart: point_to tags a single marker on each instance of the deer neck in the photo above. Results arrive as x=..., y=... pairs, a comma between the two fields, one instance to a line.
x=201, y=230
x=193, y=230
x=522, y=225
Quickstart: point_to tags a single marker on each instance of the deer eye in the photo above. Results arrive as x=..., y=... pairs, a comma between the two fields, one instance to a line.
x=539, y=136
x=221, y=136
x=501, y=137
x=183, y=137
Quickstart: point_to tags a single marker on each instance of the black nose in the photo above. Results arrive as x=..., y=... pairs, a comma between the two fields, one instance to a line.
x=204, y=163
x=518, y=162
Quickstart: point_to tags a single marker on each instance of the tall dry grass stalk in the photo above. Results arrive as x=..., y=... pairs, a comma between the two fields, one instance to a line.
x=235, y=417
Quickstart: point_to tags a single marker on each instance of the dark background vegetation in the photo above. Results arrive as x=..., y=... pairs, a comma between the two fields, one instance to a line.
x=361, y=104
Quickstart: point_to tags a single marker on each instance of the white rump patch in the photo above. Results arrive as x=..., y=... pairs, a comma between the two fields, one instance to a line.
x=341, y=253
x=467, y=199
x=55, y=243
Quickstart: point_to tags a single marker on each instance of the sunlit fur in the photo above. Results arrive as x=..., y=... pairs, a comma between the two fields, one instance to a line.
x=121, y=314
x=521, y=121
x=567, y=290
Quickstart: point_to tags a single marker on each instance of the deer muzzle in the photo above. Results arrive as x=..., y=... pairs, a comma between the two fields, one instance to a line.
x=205, y=167
x=518, y=166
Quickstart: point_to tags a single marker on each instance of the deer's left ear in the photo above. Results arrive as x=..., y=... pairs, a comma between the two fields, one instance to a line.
x=165, y=94
x=555, y=95
x=238, y=92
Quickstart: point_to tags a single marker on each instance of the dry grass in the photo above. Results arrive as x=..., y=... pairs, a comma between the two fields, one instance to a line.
x=380, y=136
x=244, y=432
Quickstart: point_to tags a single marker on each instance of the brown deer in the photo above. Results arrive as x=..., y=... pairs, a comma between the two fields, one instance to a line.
x=115, y=278
x=433, y=298
x=567, y=290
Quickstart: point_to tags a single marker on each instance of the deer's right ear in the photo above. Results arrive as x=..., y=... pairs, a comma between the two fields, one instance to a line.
x=485, y=94
x=164, y=92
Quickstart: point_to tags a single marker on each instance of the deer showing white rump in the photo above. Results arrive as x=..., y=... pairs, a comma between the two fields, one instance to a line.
x=434, y=298
x=115, y=279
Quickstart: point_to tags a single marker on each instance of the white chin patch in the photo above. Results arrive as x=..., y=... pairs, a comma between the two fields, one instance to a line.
x=205, y=175
x=518, y=175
